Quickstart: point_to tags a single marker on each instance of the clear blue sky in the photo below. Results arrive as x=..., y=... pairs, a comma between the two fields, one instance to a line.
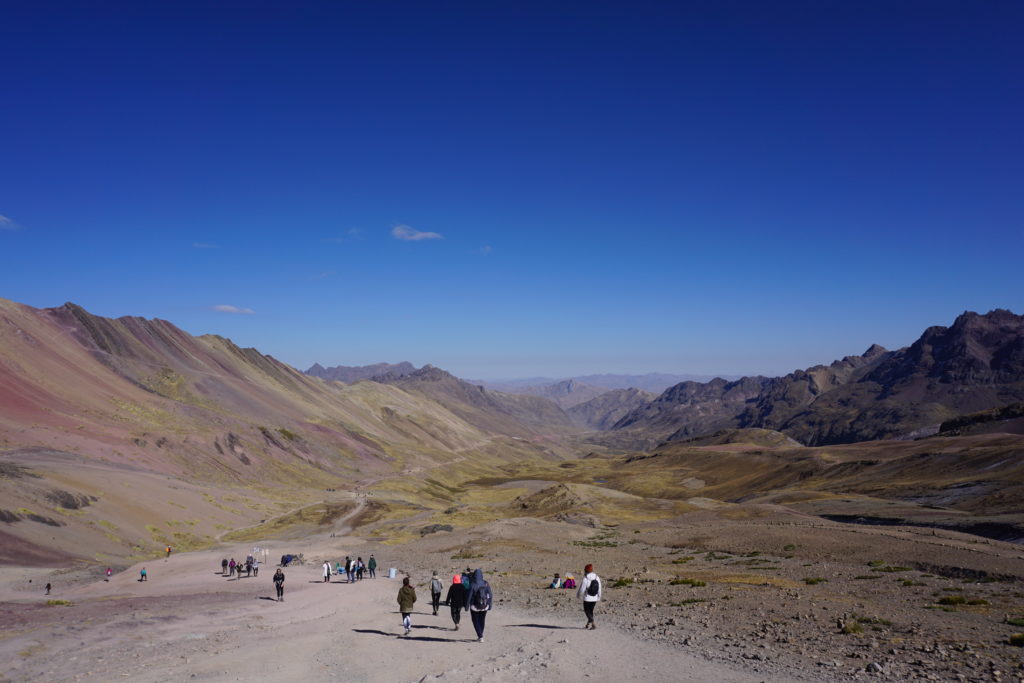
x=707, y=187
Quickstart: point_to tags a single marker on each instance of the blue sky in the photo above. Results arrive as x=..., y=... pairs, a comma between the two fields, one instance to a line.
x=518, y=189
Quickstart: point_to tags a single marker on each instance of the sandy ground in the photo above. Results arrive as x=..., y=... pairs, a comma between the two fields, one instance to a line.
x=188, y=622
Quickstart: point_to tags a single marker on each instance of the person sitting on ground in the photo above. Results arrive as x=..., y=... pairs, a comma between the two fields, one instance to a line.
x=556, y=582
x=570, y=582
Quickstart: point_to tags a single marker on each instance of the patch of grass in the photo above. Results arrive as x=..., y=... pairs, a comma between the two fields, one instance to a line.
x=682, y=560
x=687, y=582
x=911, y=582
x=58, y=603
x=814, y=580
x=952, y=600
x=622, y=582
x=852, y=627
x=596, y=544
x=867, y=577
x=287, y=433
x=789, y=547
x=710, y=555
x=753, y=553
x=977, y=602
x=1017, y=621
x=876, y=563
x=891, y=569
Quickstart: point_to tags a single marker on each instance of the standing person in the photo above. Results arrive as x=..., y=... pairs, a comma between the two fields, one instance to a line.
x=456, y=600
x=109, y=573
x=435, y=592
x=481, y=600
x=47, y=589
x=360, y=568
x=590, y=591
x=406, y=598
x=231, y=567
x=224, y=566
x=372, y=566
x=327, y=571
x=142, y=574
x=255, y=567
x=279, y=584
x=168, y=551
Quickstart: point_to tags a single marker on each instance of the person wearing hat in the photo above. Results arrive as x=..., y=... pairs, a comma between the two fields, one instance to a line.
x=456, y=599
x=435, y=592
x=590, y=591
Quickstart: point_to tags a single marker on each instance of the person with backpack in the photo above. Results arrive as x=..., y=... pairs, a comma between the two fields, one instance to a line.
x=435, y=592
x=279, y=584
x=481, y=600
x=456, y=599
x=372, y=566
x=590, y=591
x=406, y=598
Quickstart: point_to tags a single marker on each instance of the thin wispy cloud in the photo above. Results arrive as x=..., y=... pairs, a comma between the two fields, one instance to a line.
x=486, y=249
x=8, y=224
x=204, y=245
x=350, y=236
x=322, y=276
x=226, y=308
x=410, y=234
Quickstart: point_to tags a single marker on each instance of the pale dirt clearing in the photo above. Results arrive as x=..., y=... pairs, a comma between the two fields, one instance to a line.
x=187, y=622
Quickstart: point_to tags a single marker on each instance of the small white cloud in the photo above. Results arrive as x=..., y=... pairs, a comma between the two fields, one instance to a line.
x=225, y=308
x=486, y=249
x=410, y=234
x=8, y=224
x=204, y=245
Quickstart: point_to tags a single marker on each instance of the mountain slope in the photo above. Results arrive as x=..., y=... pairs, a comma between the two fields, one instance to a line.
x=976, y=364
x=606, y=409
x=352, y=374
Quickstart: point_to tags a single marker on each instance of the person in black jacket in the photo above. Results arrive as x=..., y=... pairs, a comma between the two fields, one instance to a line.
x=456, y=600
x=279, y=584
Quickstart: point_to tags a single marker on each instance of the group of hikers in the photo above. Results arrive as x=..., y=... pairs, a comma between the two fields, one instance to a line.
x=469, y=591
x=230, y=568
x=354, y=570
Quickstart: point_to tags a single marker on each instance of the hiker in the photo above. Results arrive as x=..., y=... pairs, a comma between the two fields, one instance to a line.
x=556, y=582
x=327, y=571
x=279, y=584
x=456, y=599
x=349, y=566
x=590, y=591
x=435, y=592
x=142, y=574
x=224, y=566
x=109, y=573
x=360, y=568
x=480, y=602
x=231, y=567
x=255, y=567
x=168, y=551
x=570, y=582
x=372, y=566
x=406, y=598
x=467, y=583
x=47, y=589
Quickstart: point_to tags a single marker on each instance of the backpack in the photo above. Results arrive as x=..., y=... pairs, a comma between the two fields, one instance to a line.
x=435, y=586
x=594, y=588
x=480, y=598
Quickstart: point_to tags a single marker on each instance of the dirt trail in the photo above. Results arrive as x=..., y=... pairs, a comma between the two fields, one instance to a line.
x=187, y=622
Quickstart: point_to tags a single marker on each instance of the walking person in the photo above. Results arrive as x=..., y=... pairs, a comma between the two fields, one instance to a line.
x=435, y=592
x=590, y=591
x=456, y=600
x=48, y=589
x=327, y=571
x=231, y=568
x=348, y=569
x=224, y=566
x=372, y=566
x=142, y=575
x=279, y=584
x=481, y=600
x=255, y=567
x=360, y=568
x=406, y=598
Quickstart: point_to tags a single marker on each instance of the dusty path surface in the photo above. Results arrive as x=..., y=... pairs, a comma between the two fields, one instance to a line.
x=187, y=622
